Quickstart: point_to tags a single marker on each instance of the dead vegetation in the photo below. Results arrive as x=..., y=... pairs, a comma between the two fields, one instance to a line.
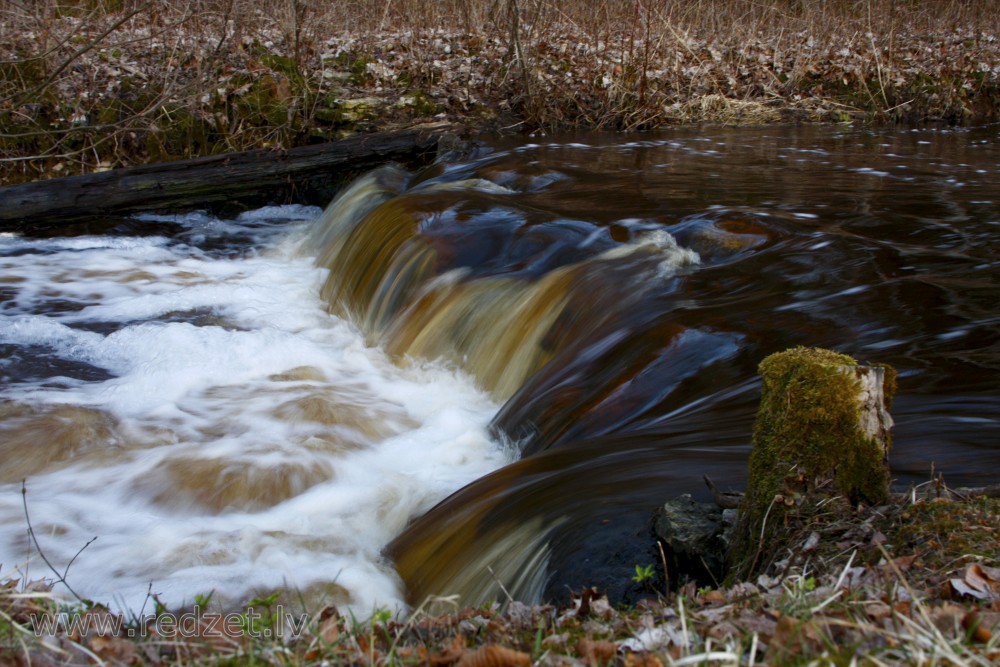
x=913, y=582
x=95, y=84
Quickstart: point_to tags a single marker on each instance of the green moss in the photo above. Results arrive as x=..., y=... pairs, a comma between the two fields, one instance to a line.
x=357, y=65
x=350, y=115
x=808, y=423
x=264, y=103
x=185, y=136
x=807, y=437
x=22, y=75
x=82, y=8
x=282, y=64
x=420, y=104
x=948, y=534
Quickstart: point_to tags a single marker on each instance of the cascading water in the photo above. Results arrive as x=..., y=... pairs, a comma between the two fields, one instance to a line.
x=224, y=415
x=185, y=398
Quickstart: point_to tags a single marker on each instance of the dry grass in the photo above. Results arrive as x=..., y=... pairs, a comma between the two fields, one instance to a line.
x=916, y=582
x=95, y=84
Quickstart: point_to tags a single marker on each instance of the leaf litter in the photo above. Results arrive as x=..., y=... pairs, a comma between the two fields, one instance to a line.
x=914, y=582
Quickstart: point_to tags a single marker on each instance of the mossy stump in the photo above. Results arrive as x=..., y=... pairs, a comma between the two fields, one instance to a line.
x=821, y=431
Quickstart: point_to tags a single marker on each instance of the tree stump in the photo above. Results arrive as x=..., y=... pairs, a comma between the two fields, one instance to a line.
x=822, y=430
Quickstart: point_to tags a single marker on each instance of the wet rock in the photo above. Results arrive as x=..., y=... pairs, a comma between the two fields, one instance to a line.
x=695, y=538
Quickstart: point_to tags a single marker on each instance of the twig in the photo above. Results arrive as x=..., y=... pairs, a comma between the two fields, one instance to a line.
x=666, y=572
x=878, y=60
x=503, y=588
x=385, y=16
x=684, y=627
x=725, y=500
x=709, y=570
x=415, y=614
x=31, y=532
x=760, y=541
x=913, y=596
x=965, y=493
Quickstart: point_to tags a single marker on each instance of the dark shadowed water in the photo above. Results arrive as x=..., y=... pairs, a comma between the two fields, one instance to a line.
x=613, y=294
x=880, y=244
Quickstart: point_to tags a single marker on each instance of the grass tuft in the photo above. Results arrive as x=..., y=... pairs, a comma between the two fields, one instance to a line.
x=914, y=582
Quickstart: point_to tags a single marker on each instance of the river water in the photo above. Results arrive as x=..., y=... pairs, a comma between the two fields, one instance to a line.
x=561, y=334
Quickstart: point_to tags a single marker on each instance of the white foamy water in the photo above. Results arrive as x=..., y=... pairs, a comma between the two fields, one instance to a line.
x=187, y=399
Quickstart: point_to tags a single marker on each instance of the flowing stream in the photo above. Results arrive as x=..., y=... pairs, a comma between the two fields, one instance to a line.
x=483, y=376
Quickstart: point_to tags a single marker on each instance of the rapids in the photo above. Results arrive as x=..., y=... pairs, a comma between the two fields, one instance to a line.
x=481, y=377
x=184, y=397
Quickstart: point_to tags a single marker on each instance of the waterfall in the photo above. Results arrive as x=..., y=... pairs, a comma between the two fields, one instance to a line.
x=561, y=319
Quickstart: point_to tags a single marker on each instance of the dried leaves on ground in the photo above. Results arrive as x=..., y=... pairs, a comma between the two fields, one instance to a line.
x=916, y=582
x=97, y=85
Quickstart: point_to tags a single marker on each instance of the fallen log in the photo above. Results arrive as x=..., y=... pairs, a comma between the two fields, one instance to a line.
x=308, y=175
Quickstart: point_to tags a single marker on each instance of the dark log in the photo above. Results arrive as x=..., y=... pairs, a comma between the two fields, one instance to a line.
x=309, y=175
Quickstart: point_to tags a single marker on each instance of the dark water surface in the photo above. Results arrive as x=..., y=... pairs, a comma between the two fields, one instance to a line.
x=881, y=244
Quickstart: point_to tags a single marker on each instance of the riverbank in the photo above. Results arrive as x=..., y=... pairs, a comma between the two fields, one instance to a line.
x=820, y=607
x=90, y=86
x=916, y=582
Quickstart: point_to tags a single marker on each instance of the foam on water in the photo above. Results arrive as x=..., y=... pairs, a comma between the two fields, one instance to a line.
x=245, y=440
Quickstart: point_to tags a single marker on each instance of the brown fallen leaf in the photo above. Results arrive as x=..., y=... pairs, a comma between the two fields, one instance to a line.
x=947, y=617
x=972, y=623
x=642, y=660
x=449, y=655
x=410, y=654
x=722, y=631
x=793, y=637
x=984, y=578
x=494, y=656
x=712, y=597
x=555, y=640
x=114, y=649
x=97, y=621
x=596, y=652
x=876, y=611
x=329, y=628
x=957, y=588
x=978, y=582
x=755, y=623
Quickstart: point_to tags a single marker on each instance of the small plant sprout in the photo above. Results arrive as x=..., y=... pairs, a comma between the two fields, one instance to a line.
x=643, y=574
x=381, y=616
